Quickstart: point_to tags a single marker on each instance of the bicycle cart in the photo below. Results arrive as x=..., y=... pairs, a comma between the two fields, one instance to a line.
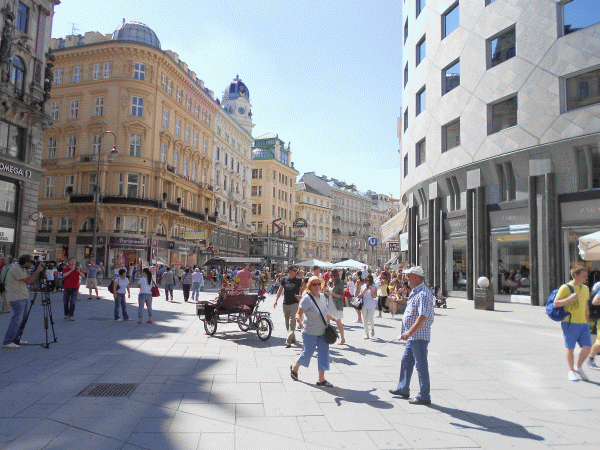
x=236, y=307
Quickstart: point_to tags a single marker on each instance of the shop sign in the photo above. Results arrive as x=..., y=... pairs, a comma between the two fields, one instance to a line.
x=182, y=248
x=574, y=212
x=300, y=223
x=394, y=247
x=194, y=235
x=15, y=170
x=455, y=226
x=128, y=242
x=171, y=245
x=7, y=234
x=508, y=217
x=404, y=242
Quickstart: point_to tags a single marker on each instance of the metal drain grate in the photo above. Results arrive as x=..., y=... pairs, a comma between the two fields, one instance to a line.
x=108, y=390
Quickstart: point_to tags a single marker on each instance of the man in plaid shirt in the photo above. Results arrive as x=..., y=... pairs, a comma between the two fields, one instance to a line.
x=416, y=330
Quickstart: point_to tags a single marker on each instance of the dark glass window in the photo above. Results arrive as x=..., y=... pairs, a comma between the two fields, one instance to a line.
x=405, y=74
x=17, y=74
x=421, y=51
x=22, y=17
x=420, y=153
x=405, y=165
x=450, y=21
x=504, y=115
x=406, y=30
x=578, y=14
x=451, y=77
x=451, y=135
x=583, y=89
x=421, y=101
x=420, y=6
x=502, y=47
x=405, y=119
x=12, y=140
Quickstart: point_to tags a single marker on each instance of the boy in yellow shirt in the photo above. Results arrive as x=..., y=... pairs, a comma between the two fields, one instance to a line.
x=575, y=327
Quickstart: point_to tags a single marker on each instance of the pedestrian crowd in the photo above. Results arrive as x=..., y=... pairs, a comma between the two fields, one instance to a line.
x=312, y=300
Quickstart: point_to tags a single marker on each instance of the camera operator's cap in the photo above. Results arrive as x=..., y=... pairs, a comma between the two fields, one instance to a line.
x=417, y=270
x=24, y=259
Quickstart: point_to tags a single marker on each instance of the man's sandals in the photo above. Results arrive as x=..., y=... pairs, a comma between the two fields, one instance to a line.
x=293, y=374
x=324, y=383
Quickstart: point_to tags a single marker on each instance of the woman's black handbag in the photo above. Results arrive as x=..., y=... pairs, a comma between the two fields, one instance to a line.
x=356, y=303
x=331, y=334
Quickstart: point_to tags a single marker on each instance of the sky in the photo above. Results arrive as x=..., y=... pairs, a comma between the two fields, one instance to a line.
x=324, y=75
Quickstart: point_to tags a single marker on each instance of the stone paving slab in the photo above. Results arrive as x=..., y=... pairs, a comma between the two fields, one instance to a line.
x=498, y=381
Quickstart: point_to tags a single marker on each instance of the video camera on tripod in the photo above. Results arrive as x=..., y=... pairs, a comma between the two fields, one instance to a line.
x=40, y=286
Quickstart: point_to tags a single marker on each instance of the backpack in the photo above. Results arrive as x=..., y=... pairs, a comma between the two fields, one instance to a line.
x=594, y=309
x=111, y=287
x=557, y=313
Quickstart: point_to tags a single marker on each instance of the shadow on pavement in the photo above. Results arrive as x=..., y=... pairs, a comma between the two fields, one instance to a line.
x=487, y=423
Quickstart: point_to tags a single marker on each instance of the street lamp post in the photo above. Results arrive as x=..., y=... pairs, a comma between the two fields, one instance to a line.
x=113, y=152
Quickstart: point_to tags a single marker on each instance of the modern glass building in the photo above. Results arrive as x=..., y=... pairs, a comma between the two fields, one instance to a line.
x=500, y=130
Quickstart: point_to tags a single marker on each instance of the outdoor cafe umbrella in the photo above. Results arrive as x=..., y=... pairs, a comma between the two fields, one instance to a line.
x=589, y=246
x=351, y=263
x=314, y=262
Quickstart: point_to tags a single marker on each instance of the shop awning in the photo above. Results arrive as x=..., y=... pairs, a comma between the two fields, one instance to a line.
x=232, y=261
x=393, y=227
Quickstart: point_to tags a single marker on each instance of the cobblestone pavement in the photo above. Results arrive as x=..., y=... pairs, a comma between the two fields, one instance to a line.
x=499, y=380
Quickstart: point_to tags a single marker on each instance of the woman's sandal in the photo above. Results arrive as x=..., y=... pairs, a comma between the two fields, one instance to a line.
x=293, y=374
x=324, y=383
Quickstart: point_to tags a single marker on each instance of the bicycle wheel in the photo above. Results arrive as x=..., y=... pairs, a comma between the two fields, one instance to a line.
x=210, y=326
x=245, y=321
x=264, y=329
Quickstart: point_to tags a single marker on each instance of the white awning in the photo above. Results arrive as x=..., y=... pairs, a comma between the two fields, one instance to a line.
x=393, y=227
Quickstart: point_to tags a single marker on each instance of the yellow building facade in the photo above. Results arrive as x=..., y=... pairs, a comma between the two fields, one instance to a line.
x=314, y=239
x=273, y=198
x=123, y=90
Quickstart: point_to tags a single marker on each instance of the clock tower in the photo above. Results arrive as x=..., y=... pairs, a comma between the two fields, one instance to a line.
x=236, y=101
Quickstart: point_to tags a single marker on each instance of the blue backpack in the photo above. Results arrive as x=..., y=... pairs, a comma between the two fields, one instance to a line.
x=557, y=313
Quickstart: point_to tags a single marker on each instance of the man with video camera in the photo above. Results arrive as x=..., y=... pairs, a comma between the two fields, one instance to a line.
x=17, y=279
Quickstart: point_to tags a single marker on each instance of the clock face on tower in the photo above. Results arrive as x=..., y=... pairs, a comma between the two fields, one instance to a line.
x=241, y=110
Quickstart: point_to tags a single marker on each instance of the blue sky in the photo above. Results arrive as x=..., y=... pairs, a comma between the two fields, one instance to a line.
x=324, y=75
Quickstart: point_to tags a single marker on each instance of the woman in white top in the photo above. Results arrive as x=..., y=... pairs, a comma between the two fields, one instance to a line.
x=357, y=287
x=145, y=296
x=368, y=293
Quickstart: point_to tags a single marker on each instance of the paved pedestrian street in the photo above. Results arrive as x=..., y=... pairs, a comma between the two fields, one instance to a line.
x=499, y=380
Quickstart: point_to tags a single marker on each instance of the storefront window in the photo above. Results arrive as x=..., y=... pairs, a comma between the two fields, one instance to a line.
x=8, y=196
x=456, y=273
x=510, y=262
x=572, y=258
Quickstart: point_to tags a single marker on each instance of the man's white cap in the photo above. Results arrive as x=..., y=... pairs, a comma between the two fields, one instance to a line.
x=417, y=270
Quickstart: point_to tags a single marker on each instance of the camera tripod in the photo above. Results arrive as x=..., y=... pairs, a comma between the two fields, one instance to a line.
x=48, y=319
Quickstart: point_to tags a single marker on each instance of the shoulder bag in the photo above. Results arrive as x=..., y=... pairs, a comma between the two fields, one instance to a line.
x=154, y=290
x=330, y=332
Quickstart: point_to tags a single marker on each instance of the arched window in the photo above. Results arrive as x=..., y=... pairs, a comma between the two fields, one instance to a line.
x=88, y=225
x=17, y=74
x=160, y=230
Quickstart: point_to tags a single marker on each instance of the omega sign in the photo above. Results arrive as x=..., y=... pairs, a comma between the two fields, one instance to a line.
x=15, y=170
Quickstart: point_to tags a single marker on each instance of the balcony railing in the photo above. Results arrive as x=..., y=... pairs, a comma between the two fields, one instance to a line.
x=172, y=206
x=131, y=201
x=81, y=198
x=192, y=214
x=212, y=219
x=90, y=157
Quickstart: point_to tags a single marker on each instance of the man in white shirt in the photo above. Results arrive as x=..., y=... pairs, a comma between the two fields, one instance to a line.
x=17, y=279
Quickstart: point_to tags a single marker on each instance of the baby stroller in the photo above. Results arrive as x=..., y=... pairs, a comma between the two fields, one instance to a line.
x=440, y=300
